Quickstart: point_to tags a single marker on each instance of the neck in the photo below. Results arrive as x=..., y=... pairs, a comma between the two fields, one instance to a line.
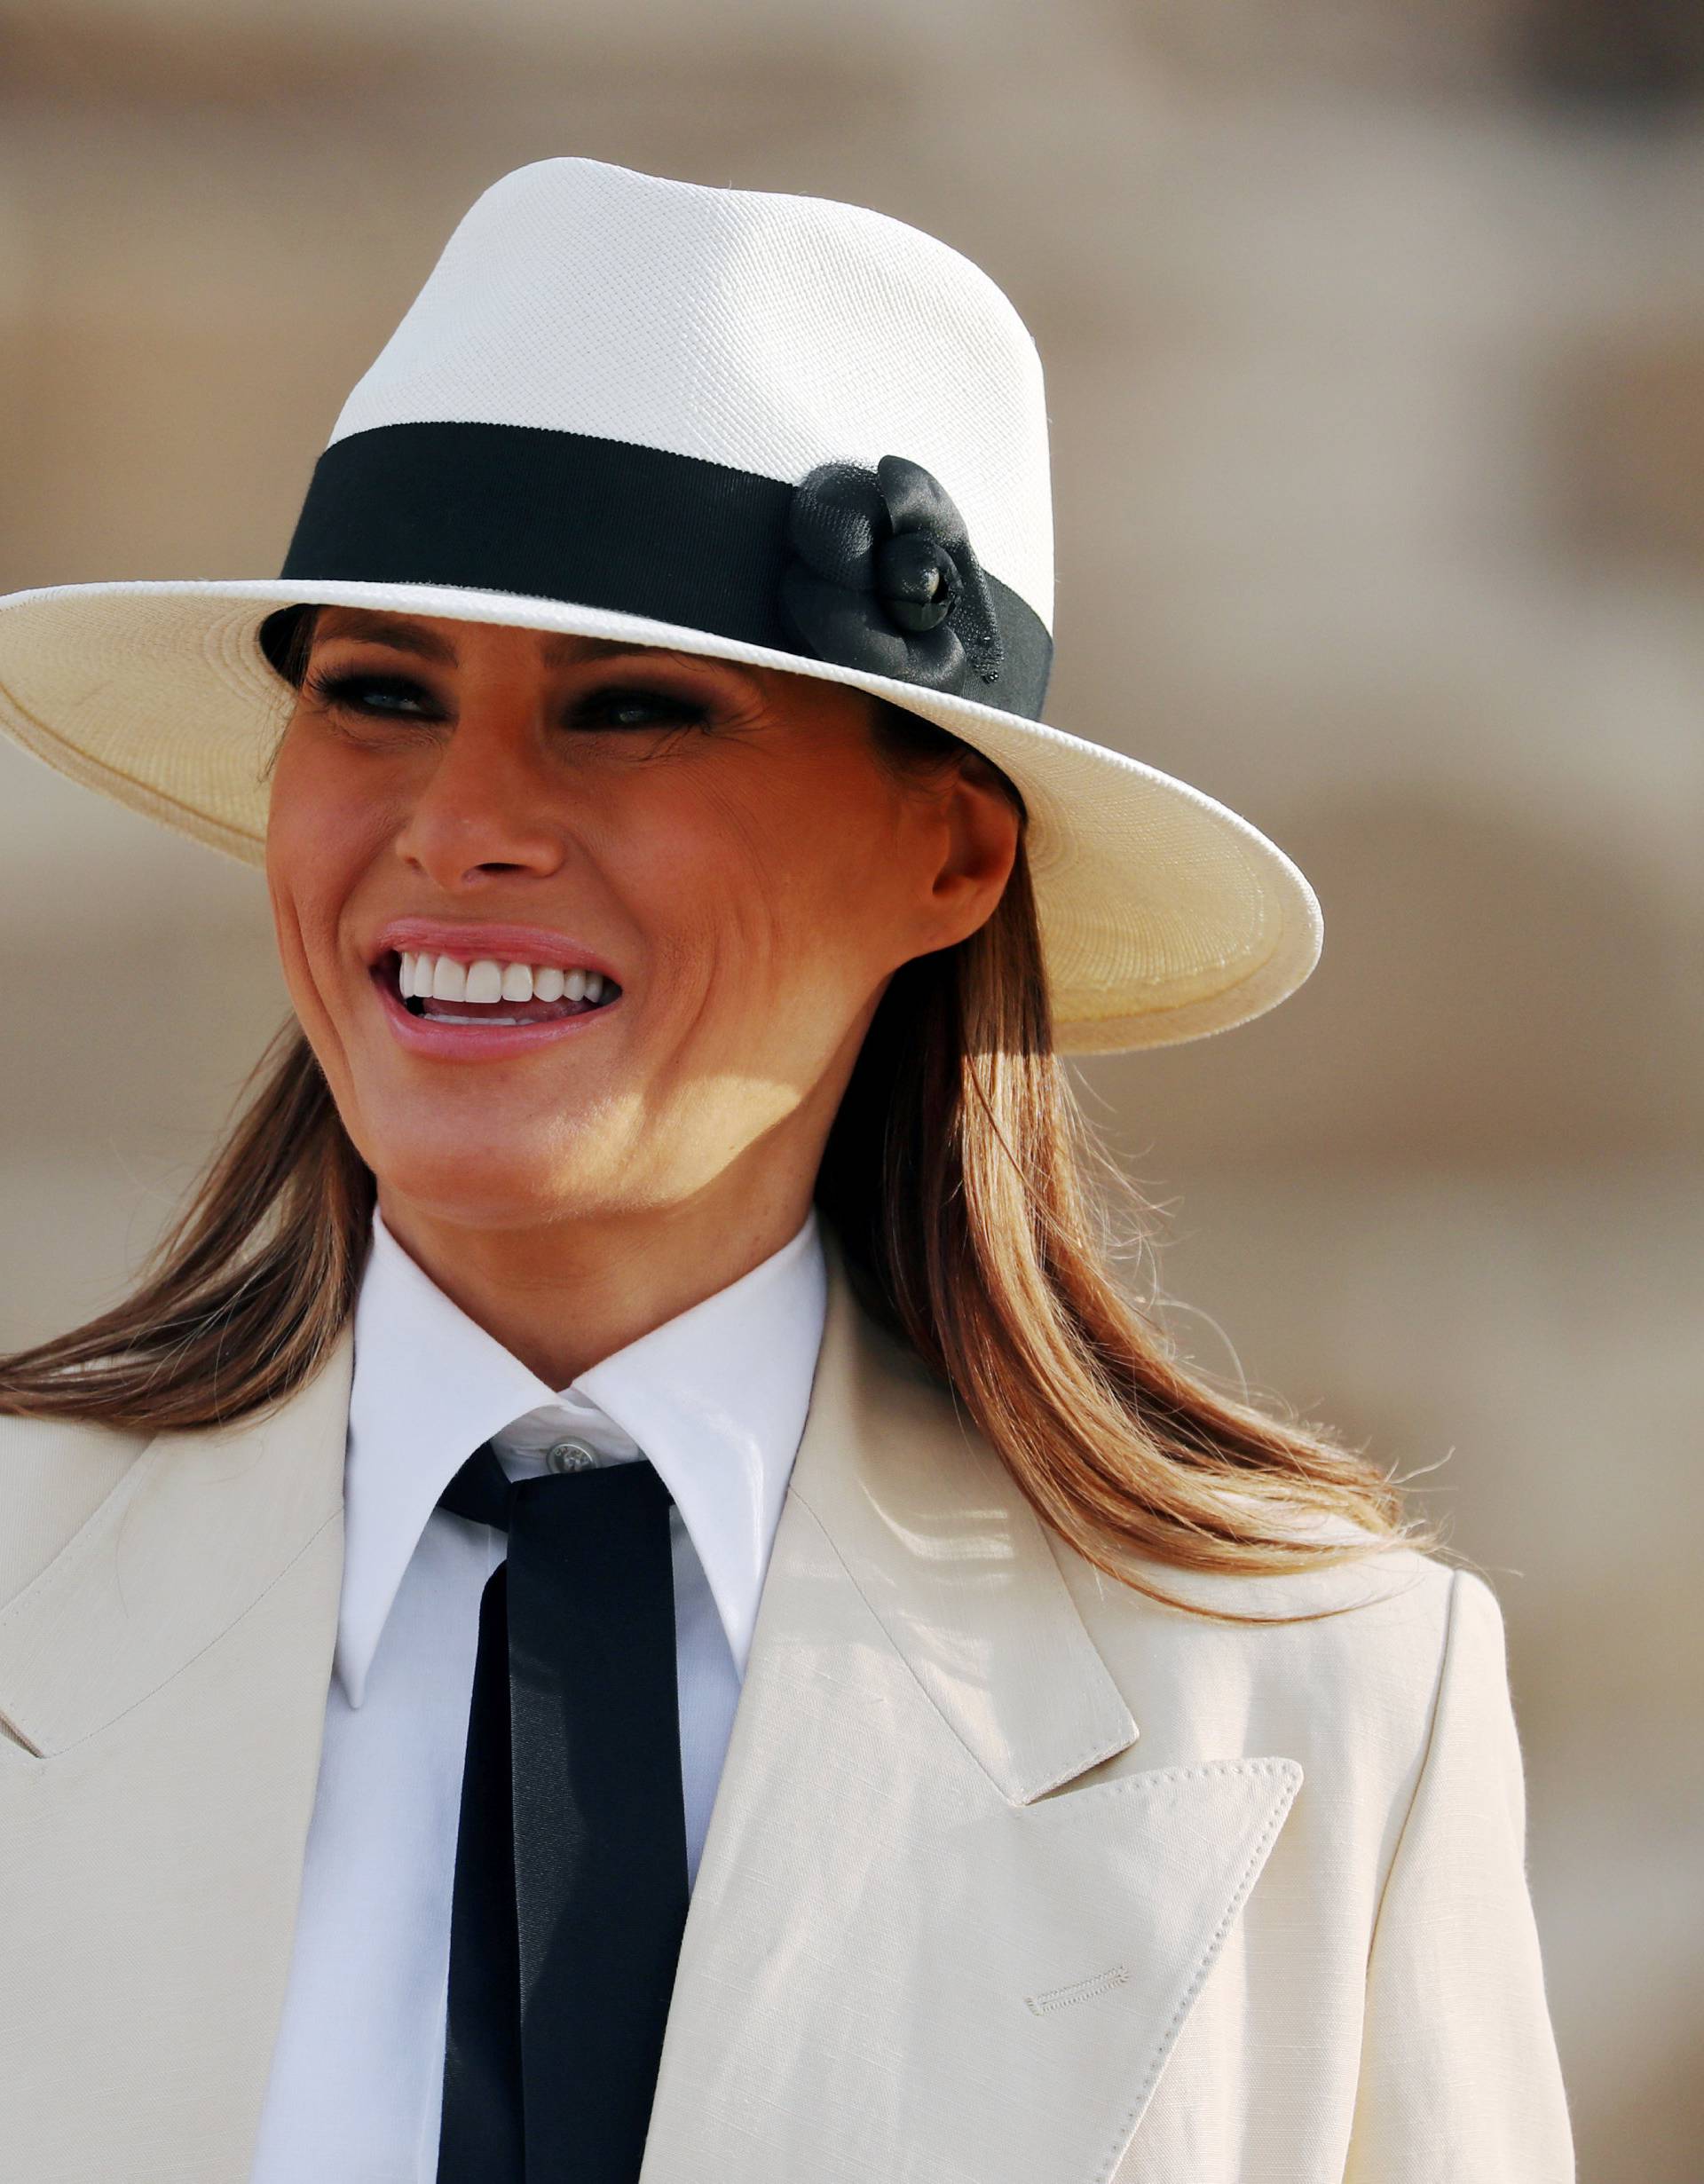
x=561, y=1295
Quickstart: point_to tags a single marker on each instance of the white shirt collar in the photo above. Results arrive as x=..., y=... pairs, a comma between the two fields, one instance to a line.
x=716, y=1398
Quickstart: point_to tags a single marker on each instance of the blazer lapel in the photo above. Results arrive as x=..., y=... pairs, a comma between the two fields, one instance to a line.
x=164, y=1682
x=914, y=1951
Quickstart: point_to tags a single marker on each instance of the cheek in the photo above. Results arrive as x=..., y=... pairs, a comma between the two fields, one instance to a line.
x=316, y=846
x=777, y=911
x=841, y=869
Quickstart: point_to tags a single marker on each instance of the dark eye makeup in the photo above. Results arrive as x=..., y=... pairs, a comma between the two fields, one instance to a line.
x=626, y=705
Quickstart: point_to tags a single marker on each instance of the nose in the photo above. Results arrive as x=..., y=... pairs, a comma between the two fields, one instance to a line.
x=483, y=808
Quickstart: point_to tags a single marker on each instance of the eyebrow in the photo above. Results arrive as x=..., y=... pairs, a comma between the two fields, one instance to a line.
x=555, y=647
x=402, y=636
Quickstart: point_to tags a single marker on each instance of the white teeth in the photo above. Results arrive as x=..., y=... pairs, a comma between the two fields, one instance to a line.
x=424, y=976
x=449, y=980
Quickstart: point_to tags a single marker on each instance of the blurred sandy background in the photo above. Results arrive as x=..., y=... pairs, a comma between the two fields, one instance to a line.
x=1374, y=343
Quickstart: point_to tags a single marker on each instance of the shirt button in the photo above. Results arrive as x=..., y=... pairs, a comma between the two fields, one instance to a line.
x=569, y=1456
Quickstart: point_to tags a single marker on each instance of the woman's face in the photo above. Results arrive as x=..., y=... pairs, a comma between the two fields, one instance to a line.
x=721, y=846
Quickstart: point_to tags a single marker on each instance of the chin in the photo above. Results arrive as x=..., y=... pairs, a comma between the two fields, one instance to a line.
x=484, y=1187
x=493, y=1203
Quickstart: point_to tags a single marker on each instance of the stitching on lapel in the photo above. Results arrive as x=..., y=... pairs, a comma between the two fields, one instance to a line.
x=1256, y=1858
x=1082, y=1804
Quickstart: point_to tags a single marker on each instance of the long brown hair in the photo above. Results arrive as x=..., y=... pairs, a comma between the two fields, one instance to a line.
x=977, y=1216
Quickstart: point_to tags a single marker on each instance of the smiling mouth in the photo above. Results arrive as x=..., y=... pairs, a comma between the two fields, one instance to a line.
x=451, y=989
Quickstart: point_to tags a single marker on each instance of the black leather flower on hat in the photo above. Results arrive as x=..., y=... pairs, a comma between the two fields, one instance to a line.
x=882, y=577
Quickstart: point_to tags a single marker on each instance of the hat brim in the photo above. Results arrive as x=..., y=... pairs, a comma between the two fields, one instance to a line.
x=1165, y=916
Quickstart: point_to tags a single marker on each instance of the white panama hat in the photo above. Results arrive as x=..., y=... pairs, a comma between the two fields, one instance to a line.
x=774, y=429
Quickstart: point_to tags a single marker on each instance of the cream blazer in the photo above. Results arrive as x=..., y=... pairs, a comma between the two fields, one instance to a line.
x=1013, y=1877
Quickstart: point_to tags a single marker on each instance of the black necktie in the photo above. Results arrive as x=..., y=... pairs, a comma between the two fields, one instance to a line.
x=570, y=1881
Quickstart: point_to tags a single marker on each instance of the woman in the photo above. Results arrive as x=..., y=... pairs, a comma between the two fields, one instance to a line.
x=628, y=1589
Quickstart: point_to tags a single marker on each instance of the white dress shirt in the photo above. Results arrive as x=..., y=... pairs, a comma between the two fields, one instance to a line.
x=716, y=1398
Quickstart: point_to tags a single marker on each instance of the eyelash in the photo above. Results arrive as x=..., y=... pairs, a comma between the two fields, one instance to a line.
x=350, y=692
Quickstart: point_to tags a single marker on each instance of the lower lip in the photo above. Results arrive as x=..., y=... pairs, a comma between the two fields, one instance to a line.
x=422, y=1035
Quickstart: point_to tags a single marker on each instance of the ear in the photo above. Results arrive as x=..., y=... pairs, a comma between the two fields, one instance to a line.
x=978, y=826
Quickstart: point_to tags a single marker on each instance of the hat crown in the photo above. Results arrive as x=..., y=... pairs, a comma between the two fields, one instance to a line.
x=765, y=332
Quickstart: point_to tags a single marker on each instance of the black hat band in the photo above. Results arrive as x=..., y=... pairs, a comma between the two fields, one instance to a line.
x=607, y=524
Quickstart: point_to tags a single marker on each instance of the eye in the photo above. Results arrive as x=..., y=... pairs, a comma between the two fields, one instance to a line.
x=627, y=705
x=396, y=696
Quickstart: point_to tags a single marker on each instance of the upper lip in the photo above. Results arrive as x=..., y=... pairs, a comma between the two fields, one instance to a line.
x=470, y=942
